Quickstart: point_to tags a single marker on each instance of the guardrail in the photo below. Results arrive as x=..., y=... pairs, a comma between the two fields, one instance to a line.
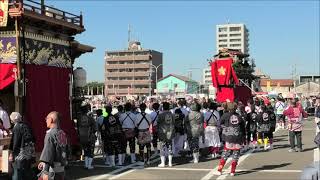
x=312, y=171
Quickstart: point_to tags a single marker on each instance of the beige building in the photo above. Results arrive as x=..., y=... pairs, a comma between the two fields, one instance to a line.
x=308, y=89
x=232, y=36
x=133, y=71
x=284, y=86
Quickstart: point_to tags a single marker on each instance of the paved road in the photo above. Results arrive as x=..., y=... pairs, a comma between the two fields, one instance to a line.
x=275, y=164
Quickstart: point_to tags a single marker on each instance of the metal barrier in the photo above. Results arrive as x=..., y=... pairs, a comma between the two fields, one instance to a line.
x=311, y=172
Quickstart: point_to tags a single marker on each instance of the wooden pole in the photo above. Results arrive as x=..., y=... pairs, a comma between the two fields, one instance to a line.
x=18, y=102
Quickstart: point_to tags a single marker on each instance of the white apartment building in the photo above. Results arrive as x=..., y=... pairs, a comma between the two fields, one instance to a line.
x=232, y=36
x=206, y=76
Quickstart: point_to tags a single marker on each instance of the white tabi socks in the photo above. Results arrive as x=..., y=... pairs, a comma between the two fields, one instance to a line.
x=163, y=159
x=170, y=160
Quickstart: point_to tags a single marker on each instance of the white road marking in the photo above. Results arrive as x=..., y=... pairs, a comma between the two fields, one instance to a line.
x=176, y=169
x=122, y=174
x=134, y=168
x=213, y=172
x=241, y=159
x=272, y=171
x=238, y=170
x=110, y=174
x=316, y=155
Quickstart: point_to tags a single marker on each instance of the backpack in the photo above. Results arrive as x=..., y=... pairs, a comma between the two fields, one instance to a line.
x=178, y=123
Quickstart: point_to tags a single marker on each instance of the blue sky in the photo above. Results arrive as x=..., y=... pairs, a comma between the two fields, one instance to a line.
x=282, y=33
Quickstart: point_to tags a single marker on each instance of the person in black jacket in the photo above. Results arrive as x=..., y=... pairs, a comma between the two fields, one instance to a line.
x=251, y=126
x=113, y=138
x=233, y=132
x=264, y=126
x=22, y=149
x=273, y=123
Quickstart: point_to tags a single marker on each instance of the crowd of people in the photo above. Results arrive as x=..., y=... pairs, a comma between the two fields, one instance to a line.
x=176, y=128
x=167, y=128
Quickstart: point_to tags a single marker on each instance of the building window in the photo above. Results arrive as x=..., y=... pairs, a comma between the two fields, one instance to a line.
x=234, y=35
x=223, y=40
x=235, y=28
x=222, y=45
x=235, y=45
x=223, y=35
x=235, y=40
x=223, y=29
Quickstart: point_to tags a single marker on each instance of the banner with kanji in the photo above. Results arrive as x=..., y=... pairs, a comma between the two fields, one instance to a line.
x=3, y=13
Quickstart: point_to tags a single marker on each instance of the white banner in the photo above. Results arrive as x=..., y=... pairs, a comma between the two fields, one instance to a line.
x=3, y=13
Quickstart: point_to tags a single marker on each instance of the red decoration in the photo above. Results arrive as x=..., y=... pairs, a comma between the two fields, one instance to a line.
x=7, y=74
x=222, y=73
x=47, y=90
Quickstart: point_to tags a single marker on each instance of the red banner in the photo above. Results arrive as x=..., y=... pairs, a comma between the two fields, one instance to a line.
x=222, y=72
x=48, y=90
x=3, y=13
x=7, y=74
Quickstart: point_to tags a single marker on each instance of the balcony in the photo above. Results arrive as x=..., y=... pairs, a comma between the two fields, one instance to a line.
x=126, y=66
x=127, y=74
x=128, y=91
x=128, y=82
x=42, y=15
x=129, y=58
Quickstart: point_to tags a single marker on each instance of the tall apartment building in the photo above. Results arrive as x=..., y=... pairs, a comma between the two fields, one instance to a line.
x=132, y=71
x=232, y=36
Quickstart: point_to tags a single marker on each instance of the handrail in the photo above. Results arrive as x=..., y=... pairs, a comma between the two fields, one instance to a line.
x=55, y=13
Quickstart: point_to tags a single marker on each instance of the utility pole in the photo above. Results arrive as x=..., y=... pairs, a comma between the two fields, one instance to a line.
x=293, y=76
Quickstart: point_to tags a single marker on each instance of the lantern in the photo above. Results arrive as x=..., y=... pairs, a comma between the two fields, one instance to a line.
x=79, y=77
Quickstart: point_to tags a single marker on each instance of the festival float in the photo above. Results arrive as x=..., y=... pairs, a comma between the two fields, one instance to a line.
x=37, y=54
x=232, y=75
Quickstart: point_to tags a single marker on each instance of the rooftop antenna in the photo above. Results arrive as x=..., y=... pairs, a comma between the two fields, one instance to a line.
x=228, y=21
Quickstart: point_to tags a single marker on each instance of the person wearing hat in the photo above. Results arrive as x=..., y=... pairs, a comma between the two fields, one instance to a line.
x=22, y=148
x=87, y=129
x=194, y=127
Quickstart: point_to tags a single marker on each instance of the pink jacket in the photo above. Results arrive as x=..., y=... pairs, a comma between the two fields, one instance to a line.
x=295, y=115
